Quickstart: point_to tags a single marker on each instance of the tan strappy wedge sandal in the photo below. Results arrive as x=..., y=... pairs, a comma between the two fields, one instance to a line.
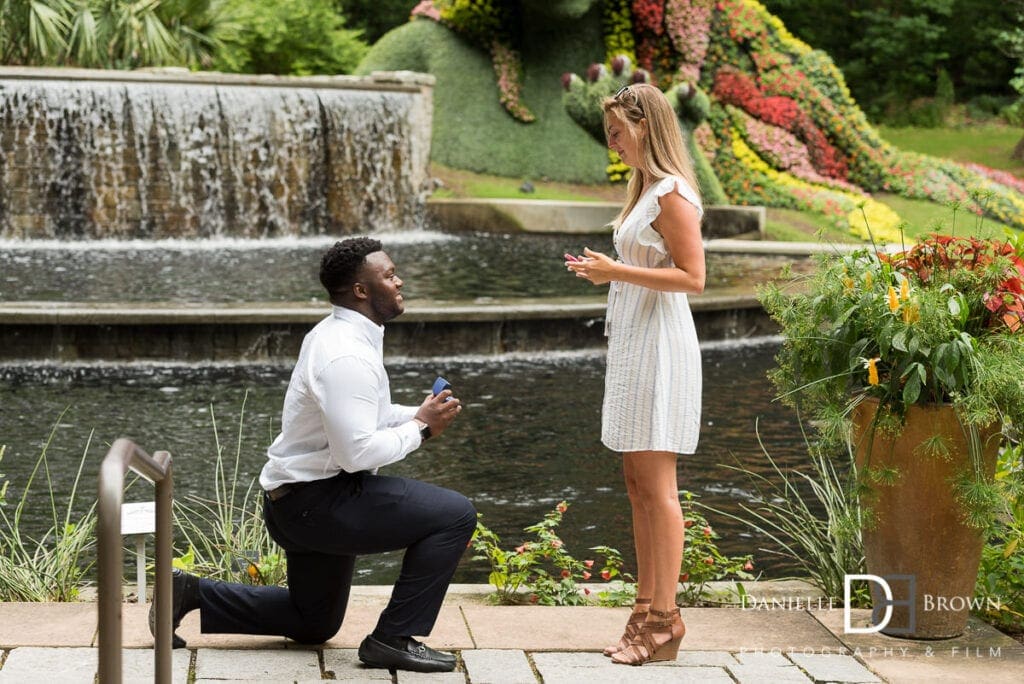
x=658, y=639
x=636, y=618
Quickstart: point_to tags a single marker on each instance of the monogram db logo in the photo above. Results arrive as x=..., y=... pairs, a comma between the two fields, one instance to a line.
x=878, y=604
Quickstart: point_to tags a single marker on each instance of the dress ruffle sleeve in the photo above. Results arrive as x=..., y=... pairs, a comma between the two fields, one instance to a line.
x=647, y=235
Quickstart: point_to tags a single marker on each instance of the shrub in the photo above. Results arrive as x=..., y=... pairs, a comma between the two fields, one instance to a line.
x=702, y=561
x=542, y=570
x=1001, y=573
x=298, y=37
x=374, y=18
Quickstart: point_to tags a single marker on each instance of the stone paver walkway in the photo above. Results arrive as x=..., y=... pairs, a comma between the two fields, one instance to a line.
x=54, y=643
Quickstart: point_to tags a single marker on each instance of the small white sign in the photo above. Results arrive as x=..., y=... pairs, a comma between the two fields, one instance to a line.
x=138, y=518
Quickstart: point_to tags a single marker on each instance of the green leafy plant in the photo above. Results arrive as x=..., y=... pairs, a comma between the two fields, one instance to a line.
x=940, y=322
x=110, y=34
x=702, y=561
x=299, y=37
x=226, y=536
x=826, y=546
x=54, y=566
x=1001, y=574
x=542, y=570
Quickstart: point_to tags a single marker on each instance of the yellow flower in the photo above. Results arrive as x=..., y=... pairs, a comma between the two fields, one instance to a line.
x=868, y=279
x=848, y=283
x=904, y=290
x=253, y=571
x=894, y=303
x=872, y=366
x=911, y=314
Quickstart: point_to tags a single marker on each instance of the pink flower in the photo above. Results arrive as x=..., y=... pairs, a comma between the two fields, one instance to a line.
x=588, y=563
x=556, y=543
x=709, y=560
x=707, y=531
x=586, y=575
x=562, y=507
x=748, y=566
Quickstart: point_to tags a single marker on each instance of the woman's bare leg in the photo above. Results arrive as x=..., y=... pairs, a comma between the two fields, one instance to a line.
x=657, y=523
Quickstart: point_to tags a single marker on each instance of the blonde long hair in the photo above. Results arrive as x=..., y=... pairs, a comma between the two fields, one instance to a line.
x=663, y=152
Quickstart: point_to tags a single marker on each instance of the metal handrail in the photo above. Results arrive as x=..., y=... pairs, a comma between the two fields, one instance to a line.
x=125, y=455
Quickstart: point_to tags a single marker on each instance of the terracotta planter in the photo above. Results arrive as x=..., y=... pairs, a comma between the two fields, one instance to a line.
x=917, y=541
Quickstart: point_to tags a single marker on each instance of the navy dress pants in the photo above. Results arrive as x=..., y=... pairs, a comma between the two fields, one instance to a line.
x=322, y=526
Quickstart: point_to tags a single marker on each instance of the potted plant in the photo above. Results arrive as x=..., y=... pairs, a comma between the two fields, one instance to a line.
x=921, y=352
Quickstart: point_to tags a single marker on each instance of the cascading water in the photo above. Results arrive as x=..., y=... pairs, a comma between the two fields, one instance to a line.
x=151, y=159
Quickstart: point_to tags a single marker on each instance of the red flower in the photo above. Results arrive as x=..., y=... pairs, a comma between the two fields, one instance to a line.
x=687, y=524
x=707, y=531
x=736, y=88
x=586, y=575
x=606, y=575
x=562, y=507
x=685, y=577
x=588, y=563
x=586, y=591
x=565, y=574
x=709, y=560
x=534, y=598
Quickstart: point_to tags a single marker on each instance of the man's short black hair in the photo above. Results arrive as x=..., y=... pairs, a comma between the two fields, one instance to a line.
x=340, y=264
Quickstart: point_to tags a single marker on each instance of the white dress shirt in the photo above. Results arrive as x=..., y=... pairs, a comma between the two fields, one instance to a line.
x=337, y=412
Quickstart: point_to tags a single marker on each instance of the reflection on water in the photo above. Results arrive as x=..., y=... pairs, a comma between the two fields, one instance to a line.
x=434, y=266
x=529, y=436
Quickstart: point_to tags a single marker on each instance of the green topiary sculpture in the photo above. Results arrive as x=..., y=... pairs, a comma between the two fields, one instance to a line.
x=771, y=120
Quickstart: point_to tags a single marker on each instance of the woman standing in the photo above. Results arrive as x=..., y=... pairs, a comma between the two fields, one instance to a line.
x=652, y=397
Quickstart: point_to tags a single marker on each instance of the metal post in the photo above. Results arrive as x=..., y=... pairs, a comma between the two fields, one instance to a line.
x=162, y=558
x=108, y=564
x=124, y=455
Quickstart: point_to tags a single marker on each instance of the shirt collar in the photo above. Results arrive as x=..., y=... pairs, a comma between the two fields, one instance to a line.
x=373, y=332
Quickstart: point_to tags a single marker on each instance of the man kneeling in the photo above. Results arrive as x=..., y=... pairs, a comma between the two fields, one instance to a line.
x=325, y=504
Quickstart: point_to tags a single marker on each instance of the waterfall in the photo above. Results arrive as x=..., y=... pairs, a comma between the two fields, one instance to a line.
x=232, y=157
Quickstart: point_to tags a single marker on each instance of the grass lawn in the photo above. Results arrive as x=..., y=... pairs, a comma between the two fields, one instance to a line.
x=988, y=144
x=458, y=184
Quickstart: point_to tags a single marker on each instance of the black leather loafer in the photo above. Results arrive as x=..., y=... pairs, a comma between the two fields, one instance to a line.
x=182, y=584
x=414, y=656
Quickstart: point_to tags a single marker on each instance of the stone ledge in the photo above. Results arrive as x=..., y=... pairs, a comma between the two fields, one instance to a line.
x=378, y=80
x=102, y=313
x=555, y=216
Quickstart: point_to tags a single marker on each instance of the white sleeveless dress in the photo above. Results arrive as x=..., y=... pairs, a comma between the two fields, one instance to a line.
x=652, y=395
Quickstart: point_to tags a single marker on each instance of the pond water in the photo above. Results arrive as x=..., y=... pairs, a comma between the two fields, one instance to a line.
x=529, y=437
x=435, y=266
